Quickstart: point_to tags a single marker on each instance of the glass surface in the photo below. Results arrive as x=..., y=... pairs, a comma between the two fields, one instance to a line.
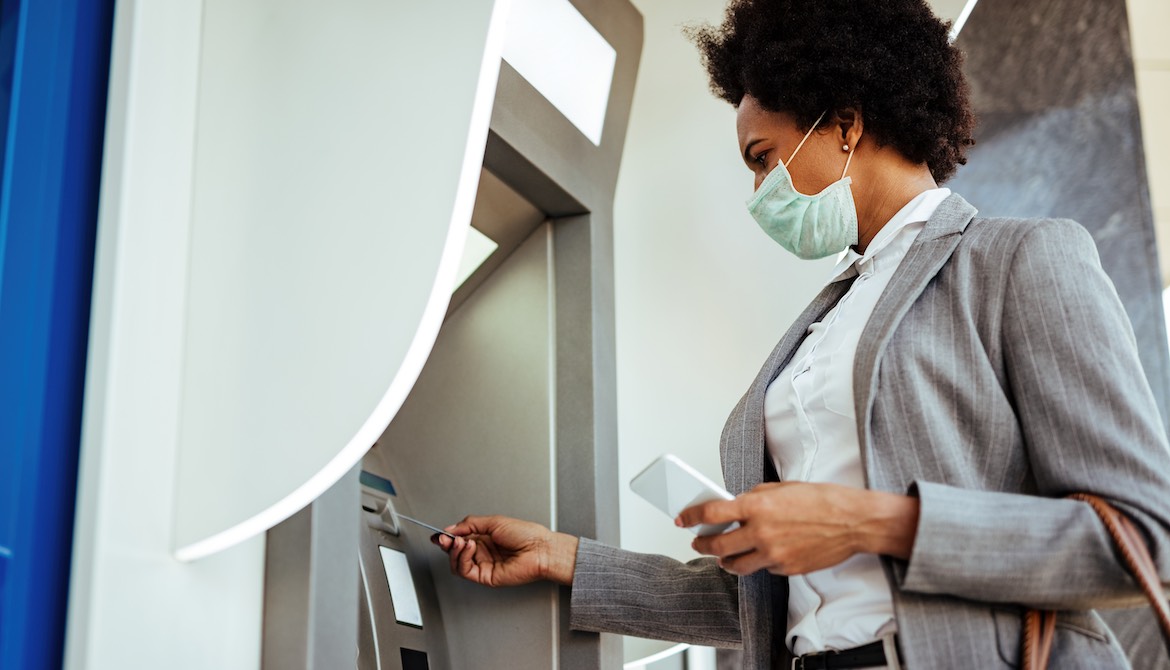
x=402, y=593
x=414, y=660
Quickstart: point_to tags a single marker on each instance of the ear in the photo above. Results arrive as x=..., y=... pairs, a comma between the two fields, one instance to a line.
x=848, y=125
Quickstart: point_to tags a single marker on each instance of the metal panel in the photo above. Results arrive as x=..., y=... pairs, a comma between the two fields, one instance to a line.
x=475, y=436
x=310, y=606
x=536, y=150
x=507, y=219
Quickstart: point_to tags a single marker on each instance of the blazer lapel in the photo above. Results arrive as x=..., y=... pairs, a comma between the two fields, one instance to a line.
x=743, y=446
x=745, y=461
x=744, y=452
x=926, y=257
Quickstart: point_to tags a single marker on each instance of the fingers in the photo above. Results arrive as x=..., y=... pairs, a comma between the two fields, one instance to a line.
x=716, y=511
x=726, y=544
x=461, y=556
x=745, y=564
x=475, y=525
x=452, y=549
x=466, y=560
x=445, y=543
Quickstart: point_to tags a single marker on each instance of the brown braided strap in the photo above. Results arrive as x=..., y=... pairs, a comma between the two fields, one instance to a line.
x=1040, y=625
x=1039, y=632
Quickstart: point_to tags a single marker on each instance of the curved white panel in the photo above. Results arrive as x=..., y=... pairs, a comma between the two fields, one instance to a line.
x=338, y=147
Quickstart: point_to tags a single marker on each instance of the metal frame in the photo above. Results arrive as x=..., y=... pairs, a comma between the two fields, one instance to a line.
x=540, y=154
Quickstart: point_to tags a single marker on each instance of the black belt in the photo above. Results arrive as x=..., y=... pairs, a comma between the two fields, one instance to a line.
x=868, y=656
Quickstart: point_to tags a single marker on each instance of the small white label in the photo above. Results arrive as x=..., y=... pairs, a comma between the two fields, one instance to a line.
x=402, y=593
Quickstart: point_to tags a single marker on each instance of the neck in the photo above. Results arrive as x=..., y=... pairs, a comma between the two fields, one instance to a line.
x=884, y=191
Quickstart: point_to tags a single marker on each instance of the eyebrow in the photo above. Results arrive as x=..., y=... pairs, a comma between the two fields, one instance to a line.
x=748, y=149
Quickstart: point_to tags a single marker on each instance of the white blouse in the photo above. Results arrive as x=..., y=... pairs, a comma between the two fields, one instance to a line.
x=811, y=431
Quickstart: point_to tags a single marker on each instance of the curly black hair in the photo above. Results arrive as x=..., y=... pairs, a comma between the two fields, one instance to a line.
x=889, y=58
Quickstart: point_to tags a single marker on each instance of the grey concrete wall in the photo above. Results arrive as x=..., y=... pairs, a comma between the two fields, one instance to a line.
x=1060, y=136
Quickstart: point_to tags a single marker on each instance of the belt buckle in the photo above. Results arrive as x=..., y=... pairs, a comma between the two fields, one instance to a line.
x=798, y=661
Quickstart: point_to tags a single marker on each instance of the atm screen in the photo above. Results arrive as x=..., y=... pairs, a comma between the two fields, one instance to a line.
x=402, y=593
x=414, y=660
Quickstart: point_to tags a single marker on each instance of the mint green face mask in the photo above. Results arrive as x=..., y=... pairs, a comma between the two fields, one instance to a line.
x=810, y=226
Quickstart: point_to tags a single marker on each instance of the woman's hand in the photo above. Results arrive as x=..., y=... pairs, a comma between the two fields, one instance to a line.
x=793, y=528
x=501, y=551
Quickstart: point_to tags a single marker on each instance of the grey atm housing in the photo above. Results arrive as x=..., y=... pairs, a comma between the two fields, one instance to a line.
x=514, y=413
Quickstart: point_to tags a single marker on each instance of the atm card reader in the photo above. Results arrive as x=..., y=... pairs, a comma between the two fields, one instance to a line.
x=376, y=503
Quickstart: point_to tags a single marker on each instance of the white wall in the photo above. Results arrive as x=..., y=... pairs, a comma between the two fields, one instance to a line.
x=702, y=294
x=1151, y=54
x=131, y=605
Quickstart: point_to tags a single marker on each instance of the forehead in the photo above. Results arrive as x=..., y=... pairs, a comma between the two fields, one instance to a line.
x=752, y=121
x=747, y=115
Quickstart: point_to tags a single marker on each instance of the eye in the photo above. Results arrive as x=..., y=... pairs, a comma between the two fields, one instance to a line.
x=762, y=159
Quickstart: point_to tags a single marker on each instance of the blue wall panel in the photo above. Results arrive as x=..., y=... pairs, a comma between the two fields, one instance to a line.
x=54, y=63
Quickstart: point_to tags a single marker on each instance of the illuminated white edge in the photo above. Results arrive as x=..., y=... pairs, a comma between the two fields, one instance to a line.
x=550, y=256
x=552, y=376
x=962, y=20
x=424, y=337
x=654, y=658
x=370, y=611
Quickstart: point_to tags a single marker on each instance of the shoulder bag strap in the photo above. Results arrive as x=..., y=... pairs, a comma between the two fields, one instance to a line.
x=1040, y=625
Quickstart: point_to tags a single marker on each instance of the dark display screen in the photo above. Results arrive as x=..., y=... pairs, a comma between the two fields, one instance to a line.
x=414, y=660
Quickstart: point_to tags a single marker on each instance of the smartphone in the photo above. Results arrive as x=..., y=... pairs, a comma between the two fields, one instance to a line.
x=672, y=486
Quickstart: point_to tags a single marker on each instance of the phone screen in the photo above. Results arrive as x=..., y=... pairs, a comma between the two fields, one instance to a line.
x=671, y=485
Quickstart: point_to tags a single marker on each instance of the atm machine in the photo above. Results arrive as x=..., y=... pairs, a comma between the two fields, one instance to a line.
x=514, y=412
x=399, y=617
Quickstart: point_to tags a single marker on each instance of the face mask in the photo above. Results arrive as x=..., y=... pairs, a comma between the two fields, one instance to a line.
x=810, y=226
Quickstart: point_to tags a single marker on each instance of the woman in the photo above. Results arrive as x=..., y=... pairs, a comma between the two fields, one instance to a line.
x=902, y=458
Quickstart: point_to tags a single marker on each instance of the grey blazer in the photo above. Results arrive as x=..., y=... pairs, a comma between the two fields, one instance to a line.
x=998, y=374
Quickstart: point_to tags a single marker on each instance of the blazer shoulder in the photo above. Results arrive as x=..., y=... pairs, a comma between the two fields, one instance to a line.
x=984, y=230
x=1000, y=240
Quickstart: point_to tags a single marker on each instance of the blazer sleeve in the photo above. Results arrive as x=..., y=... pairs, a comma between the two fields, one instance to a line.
x=618, y=591
x=1089, y=422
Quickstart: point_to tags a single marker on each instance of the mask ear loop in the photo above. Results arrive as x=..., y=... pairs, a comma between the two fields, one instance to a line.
x=806, y=136
x=843, y=172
